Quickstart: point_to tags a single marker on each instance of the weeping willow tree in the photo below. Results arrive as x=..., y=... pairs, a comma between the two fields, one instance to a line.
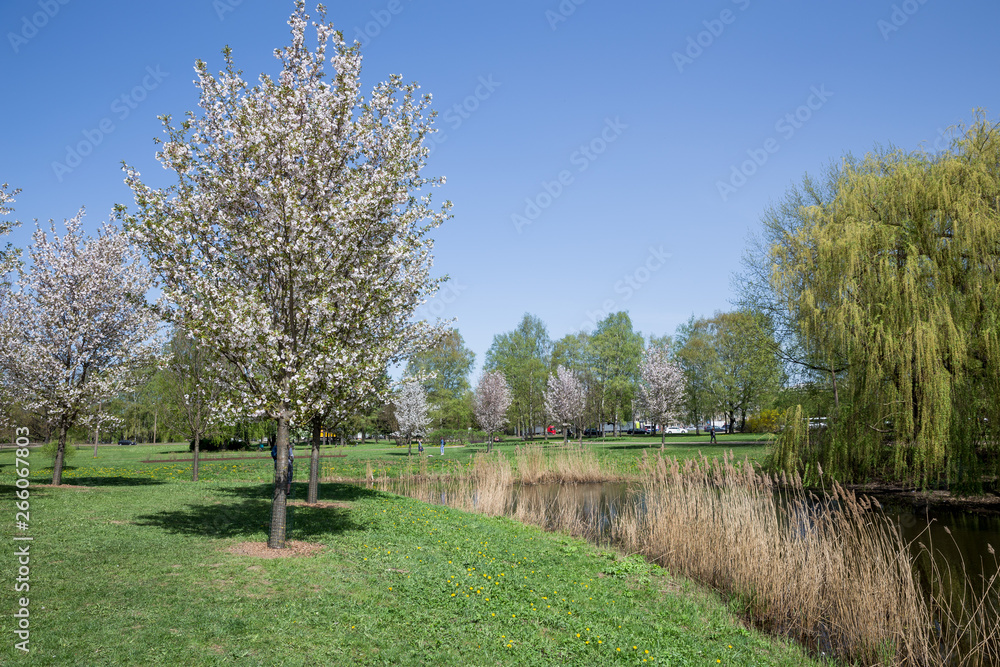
x=898, y=276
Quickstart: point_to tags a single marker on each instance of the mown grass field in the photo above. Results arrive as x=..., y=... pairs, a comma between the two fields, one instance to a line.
x=142, y=572
x=115, y=464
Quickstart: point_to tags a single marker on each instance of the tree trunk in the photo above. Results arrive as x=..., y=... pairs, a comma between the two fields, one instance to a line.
x=155, y=416
x=313, y=495
x=57, y=467
x=565, y=434
x=836, y=397
x=279, y=500
x=97, y=437
x=197, y=451
x=663, y=434
x=197, y=442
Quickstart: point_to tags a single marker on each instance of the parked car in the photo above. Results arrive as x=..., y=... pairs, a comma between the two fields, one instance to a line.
x=126, y=442
x=675, y=429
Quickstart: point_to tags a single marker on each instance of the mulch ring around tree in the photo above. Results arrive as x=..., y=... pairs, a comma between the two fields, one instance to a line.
x=293, y=549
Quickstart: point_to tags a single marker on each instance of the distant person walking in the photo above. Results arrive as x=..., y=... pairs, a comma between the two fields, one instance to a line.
x=442, y=446
x=712, y=432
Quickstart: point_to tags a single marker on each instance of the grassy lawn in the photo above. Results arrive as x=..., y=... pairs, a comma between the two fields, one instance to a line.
x=118, y=465
x=139, y=568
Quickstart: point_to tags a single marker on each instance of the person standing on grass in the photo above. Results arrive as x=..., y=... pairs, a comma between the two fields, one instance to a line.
x=712, y=432
x=442, y=446
x=420, y=447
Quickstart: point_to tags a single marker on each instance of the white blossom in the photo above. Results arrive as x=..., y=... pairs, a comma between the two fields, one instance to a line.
x=491, y=401
x=661, y=388
x=295, y=242
x=565, y=398
x=411, y=410
x=75, y=330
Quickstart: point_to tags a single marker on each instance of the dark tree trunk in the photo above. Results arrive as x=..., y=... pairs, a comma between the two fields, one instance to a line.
x=197, y=451
x=279, y=499
x=57, y=467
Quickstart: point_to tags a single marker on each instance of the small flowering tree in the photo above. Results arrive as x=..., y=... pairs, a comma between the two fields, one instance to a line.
x=565, y=399
x=411, y=412
x=191, y=379
x=491, y=401
x=76, y=332
x=661, y=388
x=295, y=241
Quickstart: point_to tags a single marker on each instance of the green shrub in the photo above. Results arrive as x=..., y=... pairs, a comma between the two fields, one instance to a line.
x=455, y=436
x=767, y=421
x=48, y=452
x=221, y=444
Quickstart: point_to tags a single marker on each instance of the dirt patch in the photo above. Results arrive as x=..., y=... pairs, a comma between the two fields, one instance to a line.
x=321, y=504
x=121, y=523
x=293, y=549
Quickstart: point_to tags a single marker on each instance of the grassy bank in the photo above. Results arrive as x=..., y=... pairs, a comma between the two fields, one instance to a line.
x=148, y=571
x=830, y=570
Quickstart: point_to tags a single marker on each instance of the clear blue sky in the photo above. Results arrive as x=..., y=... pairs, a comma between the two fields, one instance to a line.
x=666, y=99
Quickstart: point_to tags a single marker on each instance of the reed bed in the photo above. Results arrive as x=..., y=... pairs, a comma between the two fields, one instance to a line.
x=831, y=570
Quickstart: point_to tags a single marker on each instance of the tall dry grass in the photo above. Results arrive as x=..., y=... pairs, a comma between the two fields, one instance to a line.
x=832, y=572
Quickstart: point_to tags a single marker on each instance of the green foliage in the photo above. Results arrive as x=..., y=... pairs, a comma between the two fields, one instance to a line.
x=765, y=421
x=615, y=356
x=523, y=357
x=222, y=444
x=454, y=435
x=897, y=275
x=49, y=449
x=446, y=368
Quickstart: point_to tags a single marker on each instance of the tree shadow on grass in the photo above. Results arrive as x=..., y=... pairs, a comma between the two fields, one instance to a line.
x=250, y=514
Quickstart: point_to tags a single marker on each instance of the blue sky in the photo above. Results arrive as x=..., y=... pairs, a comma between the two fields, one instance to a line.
x=584, y=141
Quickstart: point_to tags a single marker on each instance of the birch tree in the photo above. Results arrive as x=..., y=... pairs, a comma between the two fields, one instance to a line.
x=75, y=331
x=490, y=404
x=411, y=412
x=295, y=242
x=565, y=399
x=661, y=388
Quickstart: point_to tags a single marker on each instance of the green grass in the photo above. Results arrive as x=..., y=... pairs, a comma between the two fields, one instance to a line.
x=115, y=465
x=137, y=572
